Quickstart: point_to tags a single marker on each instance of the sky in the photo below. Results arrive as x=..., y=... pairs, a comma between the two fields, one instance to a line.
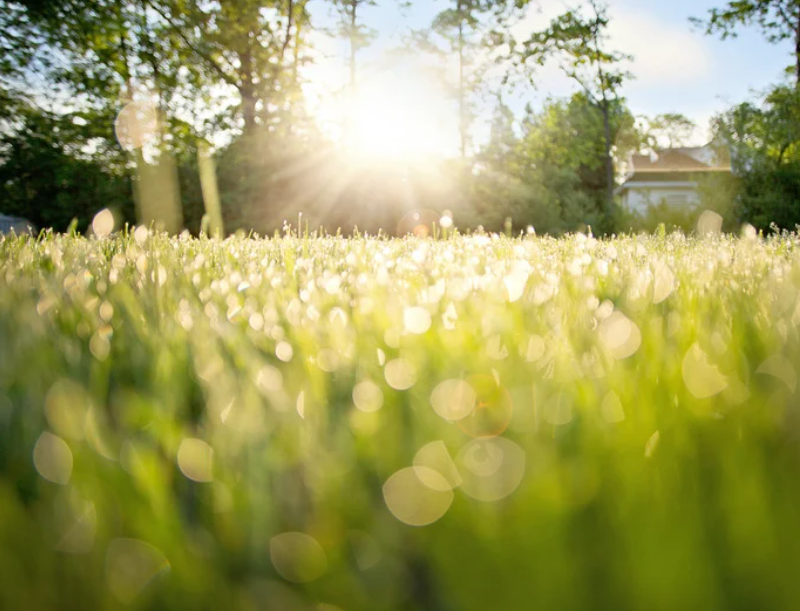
x=677, y=68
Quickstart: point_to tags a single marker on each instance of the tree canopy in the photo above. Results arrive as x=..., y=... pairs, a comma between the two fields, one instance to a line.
x=779, y=20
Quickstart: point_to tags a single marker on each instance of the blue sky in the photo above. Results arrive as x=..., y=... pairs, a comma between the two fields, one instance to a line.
x=677, y=67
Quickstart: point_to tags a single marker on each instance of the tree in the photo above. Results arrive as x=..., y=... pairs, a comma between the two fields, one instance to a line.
x=765, y=153
x=358, y=37
x=778, y=19
x=465, y=27
x=578, y=40
x=19, y=42
x=357, y=34
x=674, y=129
x=551, y=175
x=179, y=51
x=44, y=178
x=245, y=45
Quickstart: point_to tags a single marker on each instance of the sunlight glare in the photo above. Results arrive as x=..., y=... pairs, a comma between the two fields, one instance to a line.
x=400, y=115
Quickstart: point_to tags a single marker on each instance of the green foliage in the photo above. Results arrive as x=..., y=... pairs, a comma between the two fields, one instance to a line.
x=671, y=129
x=578, y=39
x=765, y=153
x=772, y=196
x=552, y=175
x=46, y=183
x=208, y=424
x=469, y=32
x=778, y=19
x=349, y=28
x=719, y=192
x=231, y=72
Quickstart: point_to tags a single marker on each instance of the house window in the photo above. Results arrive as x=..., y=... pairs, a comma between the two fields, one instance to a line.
x=677, y=199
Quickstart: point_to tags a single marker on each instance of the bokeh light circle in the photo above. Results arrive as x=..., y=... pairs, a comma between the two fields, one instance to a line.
x=493, y=408
x=490, y=469
x=414, y=502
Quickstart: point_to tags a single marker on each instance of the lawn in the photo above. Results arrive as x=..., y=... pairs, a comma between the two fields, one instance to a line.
x=470, y=423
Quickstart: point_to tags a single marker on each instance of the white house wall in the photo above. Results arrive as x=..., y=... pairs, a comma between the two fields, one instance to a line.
x=638, y=197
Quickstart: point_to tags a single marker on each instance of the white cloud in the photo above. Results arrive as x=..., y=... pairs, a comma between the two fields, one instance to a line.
x=664, y=53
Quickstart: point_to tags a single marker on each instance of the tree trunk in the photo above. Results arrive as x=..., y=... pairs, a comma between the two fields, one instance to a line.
x=797, y=51
x=349, y=115
x=123, y=47
x=247, y=91
x=462, y=111
x=276, y=94
x=296, y=46
x=609, y=161
x=353, y=22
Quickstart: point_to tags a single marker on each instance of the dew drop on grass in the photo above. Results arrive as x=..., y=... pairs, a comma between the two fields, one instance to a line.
x=365, y=548
x=491, y=468
x=392, y=337
x=297, y=557
x=663, y=284
x=256, y=321
x=515, y=285
x=620, y=335
x=652, y=445
x=400, y=374
x=78, y=536
x=496, y=349
x=99, y=346
x=611, y=408
x=367, y=396
x=558, y=409
x=435, y=457
x=65, y=408
x=131, y=565
x=284, y=351
x=416, y=320
x=749, y=232
x=534, y=349
x=778, y=366
x=701, y=377
x=269, y=379
x=140, y=235
x=414, y=502
x=328, y=360
x=106, y=311
x=709, y=223
x=453, y=399
x=53, y=458
x=103, y=223
x=196, y=460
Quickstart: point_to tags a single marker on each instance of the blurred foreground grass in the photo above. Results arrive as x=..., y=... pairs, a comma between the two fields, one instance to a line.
x=474, y=423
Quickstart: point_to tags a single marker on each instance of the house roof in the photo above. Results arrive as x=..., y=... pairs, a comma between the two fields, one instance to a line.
x=667, y=160
x=676, y=164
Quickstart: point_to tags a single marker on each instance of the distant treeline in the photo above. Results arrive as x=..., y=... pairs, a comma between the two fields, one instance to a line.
x=236, y=68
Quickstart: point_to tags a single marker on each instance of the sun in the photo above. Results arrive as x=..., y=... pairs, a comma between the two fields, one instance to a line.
x=400, y=114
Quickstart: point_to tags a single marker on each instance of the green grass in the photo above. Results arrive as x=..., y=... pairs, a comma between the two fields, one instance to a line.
x=198, y=424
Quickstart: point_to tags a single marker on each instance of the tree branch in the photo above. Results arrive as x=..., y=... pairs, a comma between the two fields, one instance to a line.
x=215, y=66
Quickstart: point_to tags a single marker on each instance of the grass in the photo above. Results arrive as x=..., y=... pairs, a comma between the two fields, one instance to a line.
x=319, y=423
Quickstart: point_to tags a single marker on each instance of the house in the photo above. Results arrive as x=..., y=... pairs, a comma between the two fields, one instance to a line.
x=18, y=224
x=670, y=176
